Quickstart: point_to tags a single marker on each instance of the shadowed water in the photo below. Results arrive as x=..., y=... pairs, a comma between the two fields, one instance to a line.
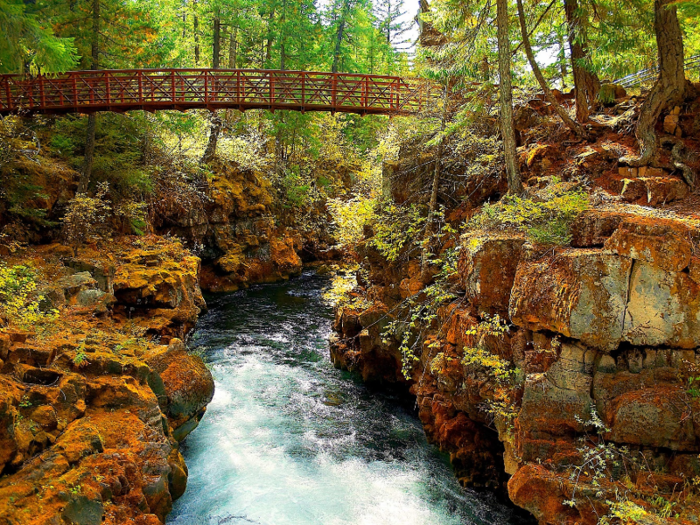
x=288, y=439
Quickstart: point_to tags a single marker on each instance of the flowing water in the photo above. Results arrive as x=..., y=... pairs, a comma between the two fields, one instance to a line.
x=289, y=440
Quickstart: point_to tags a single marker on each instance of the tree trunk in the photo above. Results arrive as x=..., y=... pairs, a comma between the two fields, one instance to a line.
x=268, y=42
x=283, y=19
x=515, y=184
x=586, y=84
x=216, y=42
x=195, y=28
x=233, y=49
x=669, y=88
x=344, y=13
x=214, y=129
x=562, y=61
x=573, y=126
x=232, y=61
x=338, y=42
x=86, y=172
x=432, y=206
x=215, y=126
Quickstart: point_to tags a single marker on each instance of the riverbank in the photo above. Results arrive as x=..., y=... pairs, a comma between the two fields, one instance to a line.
x=298, y=441
x=551, y=339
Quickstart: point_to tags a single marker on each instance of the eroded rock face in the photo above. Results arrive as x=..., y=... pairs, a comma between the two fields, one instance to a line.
x=487, y=269
x=91, y=418
x=580, y=294
x=241, y=237
x=603, y=341
x=187, y=386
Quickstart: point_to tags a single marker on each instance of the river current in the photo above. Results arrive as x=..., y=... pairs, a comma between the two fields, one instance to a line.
x=290, y=440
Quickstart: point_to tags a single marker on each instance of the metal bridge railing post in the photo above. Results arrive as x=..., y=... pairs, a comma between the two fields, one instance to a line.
x=41, y=90
x=75, y=91
x=365, y=89
x=140, y=77
x=334, y=91
x=8, y=93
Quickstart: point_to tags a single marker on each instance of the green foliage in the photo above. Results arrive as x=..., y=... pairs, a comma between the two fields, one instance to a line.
x=63, y=145
x=296, y=191
x=135, y=214
x=80, y=359
x=421, y=315
x=86, y=217
x=119, y=148
x=545, y=218
x=420, y=312
x=28, y=44
x=342, y=292
x=350, y=218
x=20, y=302
x=394, y=228
x=693, y=389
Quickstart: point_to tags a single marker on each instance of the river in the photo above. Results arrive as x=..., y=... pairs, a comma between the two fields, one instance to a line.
x=290, y=440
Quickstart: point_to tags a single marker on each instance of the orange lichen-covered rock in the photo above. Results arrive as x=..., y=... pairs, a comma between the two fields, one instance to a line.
x=535, y=488
x=184, y=384
x=556, y=403
x=487, y=267
x=594, y=227
x=663, y=308
x=665, y=244
x=652, y=416
x=694, y=269
x=580, y=294
x=155, y=285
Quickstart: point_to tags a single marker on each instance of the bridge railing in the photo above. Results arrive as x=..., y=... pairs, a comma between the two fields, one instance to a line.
x=123, y=90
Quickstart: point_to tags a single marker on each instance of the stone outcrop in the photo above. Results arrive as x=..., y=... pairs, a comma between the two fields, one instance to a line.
x=91, y=413
x=604, y=345
x=240, y=233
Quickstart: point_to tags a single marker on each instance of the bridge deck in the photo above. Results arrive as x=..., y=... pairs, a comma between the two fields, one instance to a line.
x=181, y=89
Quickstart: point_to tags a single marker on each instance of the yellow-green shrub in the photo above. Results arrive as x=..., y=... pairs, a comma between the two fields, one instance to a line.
x=545, y=218
x=19, y=301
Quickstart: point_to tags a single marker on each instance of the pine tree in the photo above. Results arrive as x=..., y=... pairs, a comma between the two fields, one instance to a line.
x=28, y=45
x=515, y=184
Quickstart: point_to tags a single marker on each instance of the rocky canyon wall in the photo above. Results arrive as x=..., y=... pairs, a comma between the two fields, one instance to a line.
x=595, y=409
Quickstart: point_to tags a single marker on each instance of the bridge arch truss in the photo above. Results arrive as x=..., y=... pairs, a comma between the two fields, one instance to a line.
x=242, y=89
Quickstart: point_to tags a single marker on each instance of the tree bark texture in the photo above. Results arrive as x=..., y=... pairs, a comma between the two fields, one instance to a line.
x=432, y=205
x=586, y=84
x=515, y=184
x=216, y=123
x=89, y=158
x=670, y=86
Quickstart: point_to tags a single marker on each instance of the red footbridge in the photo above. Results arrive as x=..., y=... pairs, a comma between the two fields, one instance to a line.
x=182, y=89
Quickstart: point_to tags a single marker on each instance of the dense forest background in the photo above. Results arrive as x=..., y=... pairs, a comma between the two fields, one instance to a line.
x=571, y=44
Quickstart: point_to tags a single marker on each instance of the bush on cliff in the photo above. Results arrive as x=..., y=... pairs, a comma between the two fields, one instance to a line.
x=20, y=304
x=546, y=217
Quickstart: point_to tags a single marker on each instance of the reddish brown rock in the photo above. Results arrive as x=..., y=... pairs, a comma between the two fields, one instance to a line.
x=663, y=308
x=539, y=490
x=694, y=269
x=593, y=227
x=654, y=189
x=487, y=267
x=665, y=244
x=580, y=294
x=184, y=383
